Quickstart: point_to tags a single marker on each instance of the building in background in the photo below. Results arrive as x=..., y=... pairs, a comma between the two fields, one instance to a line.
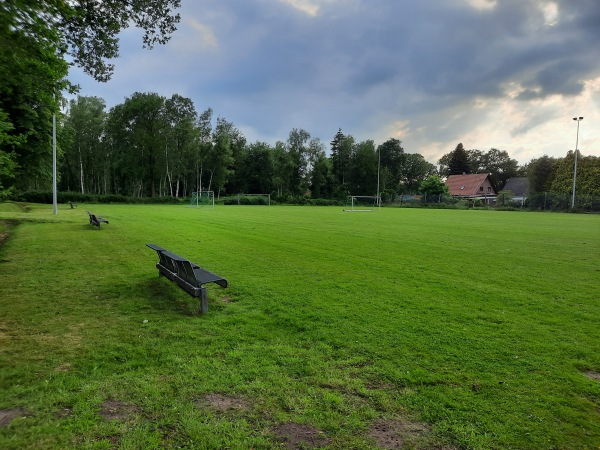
x=475, y=186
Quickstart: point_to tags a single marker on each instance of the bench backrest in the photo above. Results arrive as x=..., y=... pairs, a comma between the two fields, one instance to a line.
x=174, y=266
x=182, y=267
x=93, y=219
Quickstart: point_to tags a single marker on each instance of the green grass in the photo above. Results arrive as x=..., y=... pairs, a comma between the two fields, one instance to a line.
x=481, y=325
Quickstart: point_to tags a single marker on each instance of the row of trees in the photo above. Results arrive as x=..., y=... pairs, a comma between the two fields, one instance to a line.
x=151, y=146
x=155, y=146
x=548, y=174
x=36, y=38
x=496, y=162
x=545, y=174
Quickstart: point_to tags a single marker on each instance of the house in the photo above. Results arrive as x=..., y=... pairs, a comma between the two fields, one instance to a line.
x=519, y=186
x=475, y=186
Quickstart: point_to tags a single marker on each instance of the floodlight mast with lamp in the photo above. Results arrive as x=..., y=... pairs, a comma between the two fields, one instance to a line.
x=577, y=119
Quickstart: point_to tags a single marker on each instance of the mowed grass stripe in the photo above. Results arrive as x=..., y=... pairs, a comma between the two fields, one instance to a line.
x=479, y=323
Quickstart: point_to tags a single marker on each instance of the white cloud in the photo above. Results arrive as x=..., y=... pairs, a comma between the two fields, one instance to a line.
x=482, y=4
x=201, y=37
x=306, y=6
x=526, y=130
x=551, y=13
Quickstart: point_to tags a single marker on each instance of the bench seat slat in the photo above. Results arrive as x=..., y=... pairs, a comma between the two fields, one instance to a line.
x=204, y=276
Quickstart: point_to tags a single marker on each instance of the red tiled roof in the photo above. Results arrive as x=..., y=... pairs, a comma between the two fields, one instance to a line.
x=466, y=185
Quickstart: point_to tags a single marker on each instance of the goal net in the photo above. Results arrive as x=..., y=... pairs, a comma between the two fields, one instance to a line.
x=202, y=198
x=364, y=203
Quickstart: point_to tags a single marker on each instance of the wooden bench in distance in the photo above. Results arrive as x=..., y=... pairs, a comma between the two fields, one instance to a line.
x=96, y=221
x=188, y=276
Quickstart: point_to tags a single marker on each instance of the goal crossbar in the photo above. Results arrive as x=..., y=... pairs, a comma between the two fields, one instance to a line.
x=375, y=198
x=202, y=198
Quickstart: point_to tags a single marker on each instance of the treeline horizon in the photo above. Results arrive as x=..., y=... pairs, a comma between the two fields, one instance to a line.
x=153, y=146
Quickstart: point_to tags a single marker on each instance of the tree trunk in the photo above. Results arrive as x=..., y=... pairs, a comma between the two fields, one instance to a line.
x=81, y=171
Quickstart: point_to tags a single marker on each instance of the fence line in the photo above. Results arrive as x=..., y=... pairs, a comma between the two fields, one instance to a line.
x=545, y=201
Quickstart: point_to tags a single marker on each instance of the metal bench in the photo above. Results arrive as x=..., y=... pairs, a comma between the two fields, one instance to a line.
x=96, y=221
x=188, y=276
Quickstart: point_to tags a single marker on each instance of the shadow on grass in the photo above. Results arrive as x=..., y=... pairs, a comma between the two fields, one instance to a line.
x=162, y=295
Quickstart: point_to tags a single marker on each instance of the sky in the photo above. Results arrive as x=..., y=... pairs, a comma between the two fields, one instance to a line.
x=505, y=74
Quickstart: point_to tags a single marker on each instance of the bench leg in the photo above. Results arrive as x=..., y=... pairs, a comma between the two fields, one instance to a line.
x=203, y=301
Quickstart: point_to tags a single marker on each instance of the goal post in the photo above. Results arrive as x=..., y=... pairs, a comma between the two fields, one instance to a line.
x=202, y=198
x=364, y=203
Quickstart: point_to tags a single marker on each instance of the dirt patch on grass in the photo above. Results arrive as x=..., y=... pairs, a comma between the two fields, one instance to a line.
x=226, y=299
x=592, y=375
x=224, y=403
x=63, y=413
x=64, y=367
x=294, y=436
x=112, y=409
x=8, y=415
x=399, y=434
x=5, y=228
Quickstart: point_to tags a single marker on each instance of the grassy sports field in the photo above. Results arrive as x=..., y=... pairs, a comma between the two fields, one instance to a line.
x=404, y=328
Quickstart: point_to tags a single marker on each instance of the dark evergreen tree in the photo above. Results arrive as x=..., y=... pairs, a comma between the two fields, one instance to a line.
x=341, y=155
x=459, y=161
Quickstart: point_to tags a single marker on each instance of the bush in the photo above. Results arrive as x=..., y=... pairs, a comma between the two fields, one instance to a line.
x=77, y=197
x=302, y=200
x=243, y=200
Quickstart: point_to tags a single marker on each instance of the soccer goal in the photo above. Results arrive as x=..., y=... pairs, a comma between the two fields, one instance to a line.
x=364, y=203
x=202, y=198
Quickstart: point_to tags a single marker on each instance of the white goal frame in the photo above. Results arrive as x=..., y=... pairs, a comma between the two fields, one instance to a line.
x=194, y=203
x=377, y=199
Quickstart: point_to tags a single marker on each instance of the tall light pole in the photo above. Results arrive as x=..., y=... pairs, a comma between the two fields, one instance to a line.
x=577, y=119
x=378, y=167
x=54, y=196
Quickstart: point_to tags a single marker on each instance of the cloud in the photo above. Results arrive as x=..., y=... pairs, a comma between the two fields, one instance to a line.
x=307, y=7
x=486, y=73
x=482, y=4
x=204, y=38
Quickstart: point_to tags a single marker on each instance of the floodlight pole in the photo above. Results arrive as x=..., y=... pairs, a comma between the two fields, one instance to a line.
x=577, y=119
x=54, y=195
x=378, y=167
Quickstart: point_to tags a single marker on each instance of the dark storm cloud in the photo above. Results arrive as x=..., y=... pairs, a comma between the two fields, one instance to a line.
x=363, y=64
